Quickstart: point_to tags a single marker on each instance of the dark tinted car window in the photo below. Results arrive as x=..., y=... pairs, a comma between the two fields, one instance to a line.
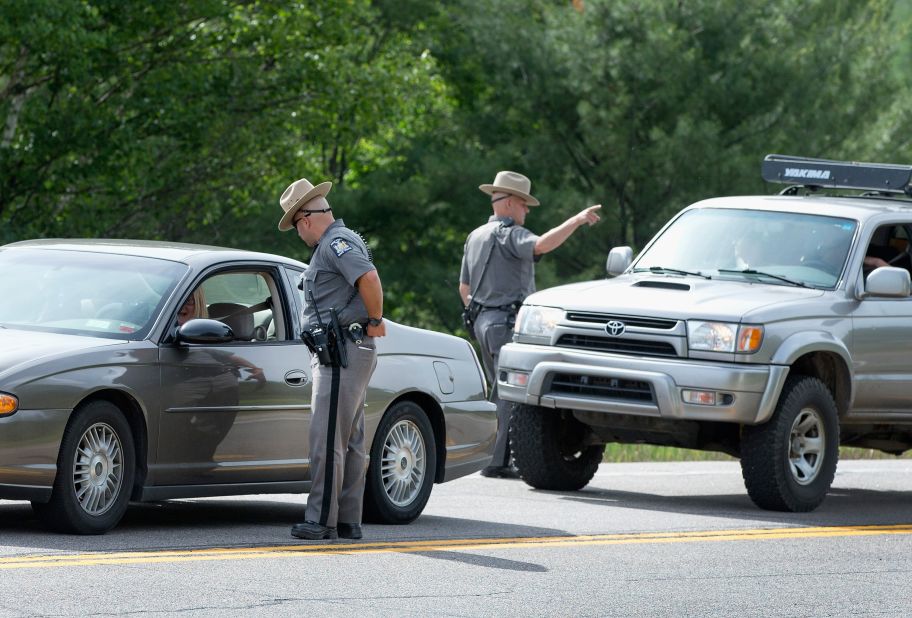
x=84, y=293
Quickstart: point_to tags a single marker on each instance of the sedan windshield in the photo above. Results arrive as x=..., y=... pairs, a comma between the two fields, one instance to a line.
x=84, y=293
x=777, y=248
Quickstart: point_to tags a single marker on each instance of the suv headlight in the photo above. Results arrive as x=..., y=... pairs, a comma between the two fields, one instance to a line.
x=723, y=337
x=538, y=322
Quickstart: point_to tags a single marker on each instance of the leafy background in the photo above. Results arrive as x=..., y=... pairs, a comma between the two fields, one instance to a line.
x=186, y=121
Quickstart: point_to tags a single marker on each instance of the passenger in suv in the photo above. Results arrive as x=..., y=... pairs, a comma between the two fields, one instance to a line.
x=776, y=360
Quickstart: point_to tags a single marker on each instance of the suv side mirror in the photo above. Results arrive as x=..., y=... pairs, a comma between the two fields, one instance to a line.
x=889, y=282
x=618, y=260
x=202, y=330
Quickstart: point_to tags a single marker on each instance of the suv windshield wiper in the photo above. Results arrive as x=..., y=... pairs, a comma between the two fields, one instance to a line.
x=760, y=273
x=676, y=271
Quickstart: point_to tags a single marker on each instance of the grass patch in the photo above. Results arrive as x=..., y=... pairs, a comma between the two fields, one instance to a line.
x=851, y=452
x=620, y=453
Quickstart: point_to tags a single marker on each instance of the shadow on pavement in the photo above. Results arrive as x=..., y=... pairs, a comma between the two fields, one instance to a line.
x=842, y=507
x=227, y=522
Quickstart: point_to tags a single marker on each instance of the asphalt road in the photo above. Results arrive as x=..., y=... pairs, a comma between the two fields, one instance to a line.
x=669, y=539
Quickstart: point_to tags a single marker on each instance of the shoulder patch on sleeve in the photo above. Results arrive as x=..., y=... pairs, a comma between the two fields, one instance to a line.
x=340, y=246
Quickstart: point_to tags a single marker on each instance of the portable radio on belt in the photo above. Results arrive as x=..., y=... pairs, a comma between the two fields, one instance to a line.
x=328, y=344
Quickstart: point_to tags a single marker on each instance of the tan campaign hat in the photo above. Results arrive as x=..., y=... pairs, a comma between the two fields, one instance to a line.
x=512, y=183
x=296, y=197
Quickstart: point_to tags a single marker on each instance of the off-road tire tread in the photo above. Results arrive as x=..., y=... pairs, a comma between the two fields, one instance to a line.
x=533, y=440
x=765, y=474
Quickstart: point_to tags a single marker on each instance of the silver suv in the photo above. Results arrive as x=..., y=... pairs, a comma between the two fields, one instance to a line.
x=772, y=328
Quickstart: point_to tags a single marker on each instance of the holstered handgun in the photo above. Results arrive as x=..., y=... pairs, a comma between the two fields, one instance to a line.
x=469, y=315
x=337, y=340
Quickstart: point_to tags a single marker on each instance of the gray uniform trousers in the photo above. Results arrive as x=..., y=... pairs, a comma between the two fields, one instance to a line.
x=493, y=329
x=338, y=459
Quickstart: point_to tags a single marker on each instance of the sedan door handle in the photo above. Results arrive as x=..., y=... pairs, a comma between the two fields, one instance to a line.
x=297, y=377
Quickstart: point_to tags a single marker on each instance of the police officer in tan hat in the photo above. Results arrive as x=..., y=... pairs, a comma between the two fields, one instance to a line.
x=343, y=313
x=498, y=272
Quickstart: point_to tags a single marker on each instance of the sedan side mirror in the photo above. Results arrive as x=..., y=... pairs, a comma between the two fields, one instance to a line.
x=202, y=330
x=888, y=282
x=618, y=260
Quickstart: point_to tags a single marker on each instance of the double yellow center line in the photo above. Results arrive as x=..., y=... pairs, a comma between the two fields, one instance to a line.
x=326, y=549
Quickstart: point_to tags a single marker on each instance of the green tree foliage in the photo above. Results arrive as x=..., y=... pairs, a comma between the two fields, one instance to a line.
x=648, y=105
x=186, y=121
x=644, y=106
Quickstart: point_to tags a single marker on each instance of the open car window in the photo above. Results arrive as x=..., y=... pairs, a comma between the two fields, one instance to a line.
x=889, y=246
x=247, y=301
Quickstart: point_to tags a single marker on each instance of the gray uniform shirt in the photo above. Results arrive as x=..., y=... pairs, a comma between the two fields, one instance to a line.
x=338, y=260
x=510, y=275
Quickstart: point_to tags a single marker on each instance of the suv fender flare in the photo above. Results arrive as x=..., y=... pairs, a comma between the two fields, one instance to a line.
x=809, y=342
x=795, y=346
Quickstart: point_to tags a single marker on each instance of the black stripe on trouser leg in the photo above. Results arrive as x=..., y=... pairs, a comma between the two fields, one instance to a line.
x=328, y=476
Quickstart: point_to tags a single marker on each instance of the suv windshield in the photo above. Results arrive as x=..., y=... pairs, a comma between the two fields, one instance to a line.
x=771, y=247
x=84, y=293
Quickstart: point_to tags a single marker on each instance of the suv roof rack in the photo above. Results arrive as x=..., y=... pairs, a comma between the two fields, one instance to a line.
x=816, y=173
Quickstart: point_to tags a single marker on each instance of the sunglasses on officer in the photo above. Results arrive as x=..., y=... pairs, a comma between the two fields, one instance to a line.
x=306, y=213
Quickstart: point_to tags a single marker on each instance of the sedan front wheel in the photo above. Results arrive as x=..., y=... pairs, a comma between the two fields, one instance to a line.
x=95, y=470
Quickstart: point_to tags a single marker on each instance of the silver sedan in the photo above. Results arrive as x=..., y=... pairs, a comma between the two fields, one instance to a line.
x=111, y=392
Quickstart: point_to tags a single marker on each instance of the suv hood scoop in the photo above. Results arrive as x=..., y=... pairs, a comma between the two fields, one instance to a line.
x=661, y=297
x=665, y=285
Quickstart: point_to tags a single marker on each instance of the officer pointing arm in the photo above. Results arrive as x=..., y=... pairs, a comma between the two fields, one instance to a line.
x=498, y=273
x=516, y=209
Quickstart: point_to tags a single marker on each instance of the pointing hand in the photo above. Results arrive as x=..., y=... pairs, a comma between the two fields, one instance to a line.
x=589, y=215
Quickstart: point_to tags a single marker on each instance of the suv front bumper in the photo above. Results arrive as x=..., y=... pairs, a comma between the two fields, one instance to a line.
x=641, y=386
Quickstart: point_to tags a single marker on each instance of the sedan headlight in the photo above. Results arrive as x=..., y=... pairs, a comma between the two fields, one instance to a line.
x=723, y=337
x=538, y=322
x=8, y=404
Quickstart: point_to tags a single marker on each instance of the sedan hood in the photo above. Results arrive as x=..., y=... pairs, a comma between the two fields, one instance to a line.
x=671, y=297
x=18, y=347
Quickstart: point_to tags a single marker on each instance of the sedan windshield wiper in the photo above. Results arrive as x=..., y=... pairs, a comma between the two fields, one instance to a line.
x=760, y=273
x=675, y=271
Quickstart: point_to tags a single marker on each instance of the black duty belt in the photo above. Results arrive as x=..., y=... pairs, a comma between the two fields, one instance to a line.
x=511, y=307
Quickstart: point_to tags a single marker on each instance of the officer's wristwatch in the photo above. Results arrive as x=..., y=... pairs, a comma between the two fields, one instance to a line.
x=374, y=321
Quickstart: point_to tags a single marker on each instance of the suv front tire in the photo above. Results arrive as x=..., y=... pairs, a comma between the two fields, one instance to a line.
x=789, y=462
x=550, y=449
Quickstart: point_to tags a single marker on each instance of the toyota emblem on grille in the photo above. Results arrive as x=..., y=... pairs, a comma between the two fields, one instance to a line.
x=615, y=328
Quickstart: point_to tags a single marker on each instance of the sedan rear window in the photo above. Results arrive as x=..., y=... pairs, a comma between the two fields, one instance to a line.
x=95, y=294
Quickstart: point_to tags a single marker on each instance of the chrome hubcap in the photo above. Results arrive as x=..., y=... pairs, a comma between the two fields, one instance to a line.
x=403, y=463
x=806, y=446
x=98, y=469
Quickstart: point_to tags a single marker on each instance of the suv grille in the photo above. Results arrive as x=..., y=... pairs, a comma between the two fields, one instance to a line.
x=604, y=318
x=606, y=388
x=613, y=344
